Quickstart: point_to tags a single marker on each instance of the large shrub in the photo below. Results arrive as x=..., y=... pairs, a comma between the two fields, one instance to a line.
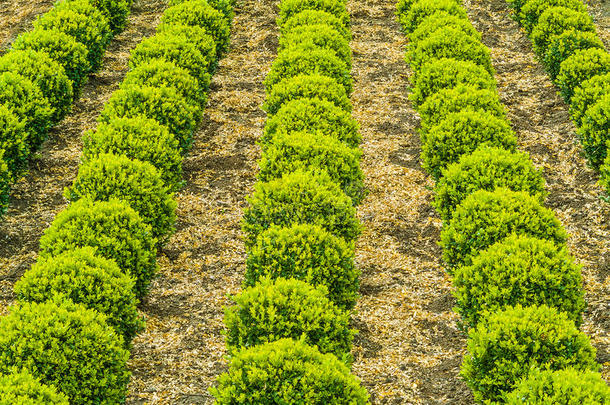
x=309, y=253
x=487, y=168
x=14, y=143
x=287, y=372
x=563, y=46
x=581, y=66
x=87, y=279
x=114, y=229
x=412, y=19
x=555, y=21
x=437, y=21
x=289, y=8
x=300, y=198
x=533, y=9
x=508, y=344
x=317, y=36
x=486, y=217
x=313, y=17
x=21, y=388
x=587, y=94
x=66, y=345
x=595, y=130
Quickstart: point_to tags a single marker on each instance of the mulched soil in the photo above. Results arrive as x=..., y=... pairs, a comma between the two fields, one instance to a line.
x=16, y=16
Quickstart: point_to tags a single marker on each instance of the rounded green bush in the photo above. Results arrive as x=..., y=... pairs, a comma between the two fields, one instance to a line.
x=5, y=184
x=163, y=104
x=202, y=41
x=437, y=21
x=317, y=152
x=312, y=115
x=46, y=74
x=290, y=63
x=560, y=387
x=317, y=36
x=115, y=11
x=138, y=183
x=595, y=131
x=564, y=45
x=516, y=5
x=519, y=270
x=306, y=86
x=288, y=308
x=587, y=94
x=555, y=21
x=138, y=138
x=487, y=168
x=486, y=217
x=313, y=17
x=62, y=48
x=224, y=6
x=446, y=73
x=412, y=20
x=300, y=198
x=289, y=8
x=287, y=372
x=66, y=345
x=507, y=345
x=533, y=9
x=14, y=144
x=114, y=229
x=21, y=388
x=86, y=279
x=579, y=67
x=308, y=253
x=460, y=134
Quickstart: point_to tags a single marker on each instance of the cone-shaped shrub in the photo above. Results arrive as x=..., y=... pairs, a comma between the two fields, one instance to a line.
x=21, y=388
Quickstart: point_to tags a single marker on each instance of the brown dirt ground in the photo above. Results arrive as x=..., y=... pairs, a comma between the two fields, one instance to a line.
x=16, y=16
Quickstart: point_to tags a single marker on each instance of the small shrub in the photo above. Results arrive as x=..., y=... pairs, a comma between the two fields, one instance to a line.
x=486, y=168
x=567, y=387
x=460, y=134
x=312, y=115
x=287, y=372
x=437, y=21
x=289, y=8
x=201, y=39
x=87, y=279
x=138, y=183
x=425, y=8
x=115, y=11
x=113, y=228
x=288, y=308
x=581, y=66
x=486, y=217
x=519, y=270
x=565, y=45
x=507, y=345
x=318, y=36
x=533, y=9
x=224, y=6
x=300, y=198
x=313, y=17
x=21, y=388
x=516, y=5
x=587, y=94
x=66, y=345
x=595, y=130
x=445, y=73
x=5, y=184
x=555, y=21
x=13, y=143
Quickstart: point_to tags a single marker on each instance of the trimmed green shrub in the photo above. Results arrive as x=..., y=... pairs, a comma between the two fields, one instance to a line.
x=581, y=66
x=316, y=152
x=201, y=39
x=21, y=388
x=224, y=6
x=312, y=115
x=411, y=20
x=300, y=198
x=289, y=8
x=460, y=134
x=290, y=63
x=14, y=144
x=46, y=74
x=445, y=73
x=313, y=17
x=62, y=48
x=288, y=308
x=507, y=345
x=306, y=86
x=516, y=5
x=5, y=184
x=519, y=270
x=138, y=138
x=138, y=183
x=486, y=217
x=163, y=104
x=434, y=22
x=317, y=36
x=555, y=21
x=115, y=11
x=114, y=229
x=66, y=345
x=287, y=372
x=595, y=131
x=564, y=45
x=533, y=9
x=560, y=387
x=87, y=279
x=587, y=94
x=308, y=253
x=486, y=168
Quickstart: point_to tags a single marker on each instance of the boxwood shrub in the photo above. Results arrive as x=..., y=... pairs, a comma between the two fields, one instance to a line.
x=437, y=21
x=508, y=344
x=533, y=9
x=224, y=6
x=563, y=46
x=21, y=388
x=587, y=94
x=555, y=21
x=66, y=345
x=288, y=308
x=287, y=372
x=594, y=132
x=289, y=8
x=313, y=17
x=581, y=66
x=113, y=228
x=309, y=253
x=486, y=217
x=85, y=278
x=115, y=11
x=317, y=36
x=14, y=144
x=5, y=184
x=412, y=19
x=200, y=38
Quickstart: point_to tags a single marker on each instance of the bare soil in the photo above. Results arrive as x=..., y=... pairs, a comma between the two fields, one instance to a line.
x=17, y=16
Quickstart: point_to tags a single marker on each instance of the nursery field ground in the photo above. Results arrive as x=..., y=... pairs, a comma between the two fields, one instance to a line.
x=16, y=16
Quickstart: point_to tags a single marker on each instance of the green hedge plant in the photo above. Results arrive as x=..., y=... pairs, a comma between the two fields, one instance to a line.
x=437, y=21
x=581, y=66
x=115, y=11
x=21, y=388
x=565, y=45
x=412, y=19
x=5, y=184
x=555, y=21
x=289, y=8
x=533, y=9
x=587, y=94
x=224, y=6
x=317, y=36
x=313, y=17
x=595, y=130
x=198, y=37
x=14, y=144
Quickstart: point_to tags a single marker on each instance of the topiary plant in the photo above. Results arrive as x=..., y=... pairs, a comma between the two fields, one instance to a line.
x=66, y=345
x=317, y=36
x=308, y=253
x=313, y=17
x=587, y=94
x=138, y=183
x=14, y=144
x=460, y=134
x=533, y=9
x=288, y=308
x=289, y=8
x=300, y=198
x=21, y=388
x=561, y=387
x=432, y=23
x=565, y=45
x=595, y=130
x=555, y=21
x=224, y=6
x=486, y=217
x=115, y=11
x=287, y=372
x=487, y=168
x=507, y=345
x=114, y=229
x=421, y=9
x=519, y=270
x=85, y=278
x=581, y=66
x=200, y=38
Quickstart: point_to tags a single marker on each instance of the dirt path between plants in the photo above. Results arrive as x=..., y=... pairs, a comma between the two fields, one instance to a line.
x=16, y=16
